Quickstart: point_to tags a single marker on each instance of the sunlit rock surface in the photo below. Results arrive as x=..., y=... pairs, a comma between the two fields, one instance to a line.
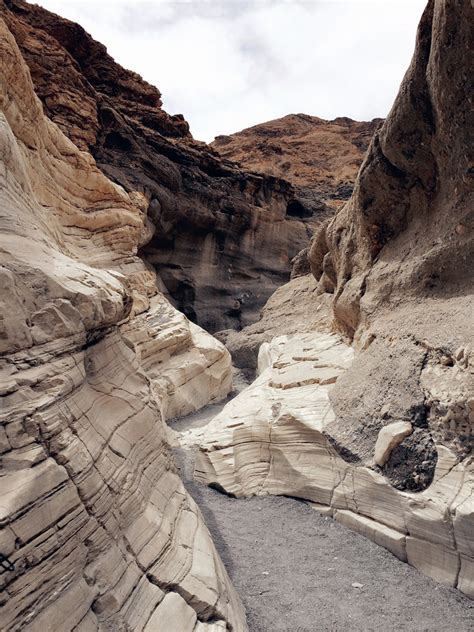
x=274, y=438
x=96, y=527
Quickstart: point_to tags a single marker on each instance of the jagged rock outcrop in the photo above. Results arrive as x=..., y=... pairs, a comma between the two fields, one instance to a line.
x=396, y=262
x=224, y=237
x=321, y=158
x=399, y=256
x=96, y=529
x=405, y=236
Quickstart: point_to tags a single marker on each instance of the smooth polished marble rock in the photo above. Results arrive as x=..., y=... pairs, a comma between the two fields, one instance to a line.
x=275, y=438
x=94, y=519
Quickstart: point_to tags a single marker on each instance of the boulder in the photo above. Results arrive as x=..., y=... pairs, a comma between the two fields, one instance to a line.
x=389, y=438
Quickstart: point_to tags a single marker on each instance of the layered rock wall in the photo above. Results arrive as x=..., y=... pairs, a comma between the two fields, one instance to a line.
x=385, y=445
x=276, y=438
x=223, y=236
x=96, y=529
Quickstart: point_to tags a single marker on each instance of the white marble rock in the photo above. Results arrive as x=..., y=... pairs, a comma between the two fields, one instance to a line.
x=93, y=515
x=271, y=439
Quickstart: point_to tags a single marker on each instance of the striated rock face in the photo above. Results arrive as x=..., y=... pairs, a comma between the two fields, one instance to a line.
x=275, y=438
x=390, y=443
x=96, y=527
x=321, y=158
x=224, y=237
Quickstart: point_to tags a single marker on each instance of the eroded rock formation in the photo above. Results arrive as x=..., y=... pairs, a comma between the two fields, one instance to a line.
x=399, y=256
x=276, y=438
x=396, y=263
x=321, y=158
x=96, y=528
x=223, y=237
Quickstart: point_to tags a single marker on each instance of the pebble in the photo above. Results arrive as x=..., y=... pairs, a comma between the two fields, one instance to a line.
x=446, y=361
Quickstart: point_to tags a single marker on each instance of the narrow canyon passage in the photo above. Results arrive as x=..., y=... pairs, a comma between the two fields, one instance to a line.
x=297, y=571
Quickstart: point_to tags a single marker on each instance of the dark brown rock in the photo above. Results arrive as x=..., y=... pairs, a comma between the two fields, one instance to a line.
x=224, y=237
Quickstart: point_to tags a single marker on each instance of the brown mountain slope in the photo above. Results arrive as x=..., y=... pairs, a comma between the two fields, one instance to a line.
x=322, y=156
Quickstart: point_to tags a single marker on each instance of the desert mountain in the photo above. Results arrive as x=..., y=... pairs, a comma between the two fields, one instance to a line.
x=321, y=158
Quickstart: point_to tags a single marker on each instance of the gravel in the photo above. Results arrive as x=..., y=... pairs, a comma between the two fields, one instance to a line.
x=297, y=571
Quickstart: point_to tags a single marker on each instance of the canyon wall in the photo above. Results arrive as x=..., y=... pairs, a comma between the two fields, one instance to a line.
x=224, y=233
x=223, y=236
x=386, y=440
x=399, y=256
x=96, y=528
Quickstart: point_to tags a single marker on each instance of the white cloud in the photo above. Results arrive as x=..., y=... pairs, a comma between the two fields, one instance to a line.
x=229, y=64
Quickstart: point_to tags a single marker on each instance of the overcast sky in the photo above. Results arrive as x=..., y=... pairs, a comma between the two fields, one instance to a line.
x=228, y=64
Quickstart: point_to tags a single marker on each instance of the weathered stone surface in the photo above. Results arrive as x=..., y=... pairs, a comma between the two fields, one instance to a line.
x=405, y=238
x=466, y=577
x=389, y=538
x=389, y=438
x=396, y=262
x=320, y=157
x=223, y=237
x=93, y=515
x=275, y=438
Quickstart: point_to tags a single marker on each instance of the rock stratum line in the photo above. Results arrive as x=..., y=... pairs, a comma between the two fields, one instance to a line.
x=93, y=516
x=274, y=438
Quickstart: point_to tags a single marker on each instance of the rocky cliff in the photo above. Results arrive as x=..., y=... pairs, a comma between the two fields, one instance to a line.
x=383, y=440
x=399, y=256
x=96, y=528
x=223, y=236
x=321, y=158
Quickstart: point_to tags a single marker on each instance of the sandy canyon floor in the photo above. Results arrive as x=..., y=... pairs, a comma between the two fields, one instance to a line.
x=298, y=571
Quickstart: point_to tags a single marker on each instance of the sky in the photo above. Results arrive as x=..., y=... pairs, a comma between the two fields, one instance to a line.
x=230, y=64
